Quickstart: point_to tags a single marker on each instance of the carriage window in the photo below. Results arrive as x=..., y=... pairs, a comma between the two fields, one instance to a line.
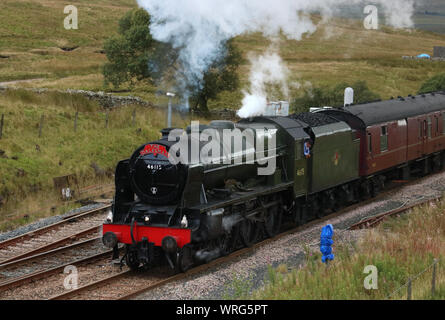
x=429, y=127
x=443, y=123
x=384, y=139
x=369, y=143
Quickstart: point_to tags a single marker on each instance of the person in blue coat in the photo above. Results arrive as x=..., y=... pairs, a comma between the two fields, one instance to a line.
x=326, y=243
x=307, y=148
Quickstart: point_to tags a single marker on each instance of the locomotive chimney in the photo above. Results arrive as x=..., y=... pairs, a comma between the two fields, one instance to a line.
x=349, y=96
x=165, y=132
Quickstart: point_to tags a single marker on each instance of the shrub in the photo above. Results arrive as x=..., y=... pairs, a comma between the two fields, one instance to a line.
x=436, y=83
x=333, y=97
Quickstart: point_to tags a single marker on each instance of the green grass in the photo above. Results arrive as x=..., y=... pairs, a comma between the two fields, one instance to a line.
x=430, y=22
x=401, y=248
x=343, y=50
x=31, y=34
x=60, y=150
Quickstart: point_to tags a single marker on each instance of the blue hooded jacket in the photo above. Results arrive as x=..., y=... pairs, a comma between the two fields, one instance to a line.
x=326, y=243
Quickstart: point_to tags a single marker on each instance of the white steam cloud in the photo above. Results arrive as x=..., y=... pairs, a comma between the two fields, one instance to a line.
x=266, y=69
x=199, y=27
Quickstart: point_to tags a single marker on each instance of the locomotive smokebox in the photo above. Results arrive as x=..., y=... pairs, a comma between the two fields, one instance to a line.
x=153, y=177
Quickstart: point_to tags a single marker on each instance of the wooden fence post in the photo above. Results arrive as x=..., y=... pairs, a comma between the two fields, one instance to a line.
x=75, y=121
x=409, y=289
x=106, y=121
x=1, y=125
x=41, y=125
x=433, y=280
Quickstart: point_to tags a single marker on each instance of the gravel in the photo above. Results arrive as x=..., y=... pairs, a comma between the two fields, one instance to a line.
x=250, y=270
x=45, y=222
x=54, y=285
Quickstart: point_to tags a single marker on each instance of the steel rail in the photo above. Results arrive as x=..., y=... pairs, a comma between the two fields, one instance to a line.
x=45, y=229
x=47, y=253
x=192, y=271
x=92, y=285
x=228, y=258
x=52, y=245
x=377, y=219
x=269, y=240
x=9, y=284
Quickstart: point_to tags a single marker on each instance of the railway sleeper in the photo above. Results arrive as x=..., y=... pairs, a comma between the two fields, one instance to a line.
x=263, y=217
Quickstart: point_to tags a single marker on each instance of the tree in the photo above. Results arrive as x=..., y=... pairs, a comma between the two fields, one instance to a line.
x=134, y=55
x=130, y=51
x=436, y=83
x=221, y=76
x=333, y=96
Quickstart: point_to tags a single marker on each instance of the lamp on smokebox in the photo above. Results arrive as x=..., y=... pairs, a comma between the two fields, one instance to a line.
x=170, y=95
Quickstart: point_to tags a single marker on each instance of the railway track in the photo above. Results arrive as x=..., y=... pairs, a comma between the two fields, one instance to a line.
x=376, y=220
x=128, y=285
x=40, y=274
x=50, y=259
x=121, y=286
x=53, y=236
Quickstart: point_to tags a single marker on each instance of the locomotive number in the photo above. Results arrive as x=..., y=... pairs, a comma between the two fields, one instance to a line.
x=154, y=167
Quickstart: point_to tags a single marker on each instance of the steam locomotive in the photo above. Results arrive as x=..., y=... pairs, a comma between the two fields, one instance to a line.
x=185, y=214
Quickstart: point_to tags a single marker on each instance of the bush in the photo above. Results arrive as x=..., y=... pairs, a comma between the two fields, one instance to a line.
x=333, y=97
x=129, y=53
x=436, y=83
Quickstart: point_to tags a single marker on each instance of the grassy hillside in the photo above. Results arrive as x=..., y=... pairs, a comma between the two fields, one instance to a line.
x=428, y=15
x=28, y=163
x=32, y=32
x=345, y=51
x=32, y=38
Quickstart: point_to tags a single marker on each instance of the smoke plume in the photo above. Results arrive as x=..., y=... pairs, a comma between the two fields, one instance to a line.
x=199, y=28
x=266, y=69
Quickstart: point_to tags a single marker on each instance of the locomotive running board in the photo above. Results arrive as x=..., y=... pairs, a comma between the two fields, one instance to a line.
x=236, y=198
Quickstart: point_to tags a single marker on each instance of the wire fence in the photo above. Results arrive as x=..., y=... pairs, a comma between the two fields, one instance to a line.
x=44, y=122
x=107, y=120
x=84, y=194
x=433, y=272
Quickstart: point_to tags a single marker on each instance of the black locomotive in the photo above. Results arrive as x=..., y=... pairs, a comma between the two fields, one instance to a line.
x=192, y=212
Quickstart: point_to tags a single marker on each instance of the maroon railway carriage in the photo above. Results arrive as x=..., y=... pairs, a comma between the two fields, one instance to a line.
x=401, y=135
